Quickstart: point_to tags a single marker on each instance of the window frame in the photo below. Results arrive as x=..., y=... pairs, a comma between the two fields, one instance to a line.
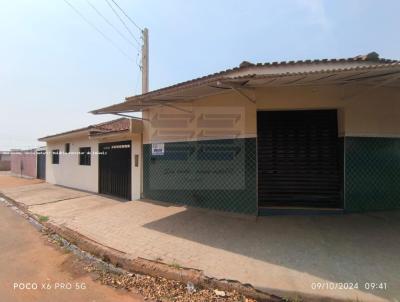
x=55, y=156
x=85, y=156
x=67, y=148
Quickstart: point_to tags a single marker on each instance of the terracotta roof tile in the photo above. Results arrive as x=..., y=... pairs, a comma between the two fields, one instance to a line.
x=112, y=126
x=117, y=125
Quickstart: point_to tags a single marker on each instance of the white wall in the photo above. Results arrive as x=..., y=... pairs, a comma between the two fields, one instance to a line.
x=68, y=172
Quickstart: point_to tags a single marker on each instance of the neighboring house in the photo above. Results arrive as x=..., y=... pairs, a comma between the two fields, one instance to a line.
x=73, y=158
x=321, y=135
x=28, y=163
x=5, y=161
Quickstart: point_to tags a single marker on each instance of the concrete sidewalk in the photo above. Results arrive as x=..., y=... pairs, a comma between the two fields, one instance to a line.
x=282, y=255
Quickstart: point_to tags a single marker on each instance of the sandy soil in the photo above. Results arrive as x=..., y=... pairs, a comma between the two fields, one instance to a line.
x=26, y=258
x=8, y=182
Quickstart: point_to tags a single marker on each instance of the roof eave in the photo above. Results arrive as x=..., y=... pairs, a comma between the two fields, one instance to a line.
x=138, y=102
x=69, y=134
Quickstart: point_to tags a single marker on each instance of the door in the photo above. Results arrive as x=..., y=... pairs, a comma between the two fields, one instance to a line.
x=299, y=159
x=41, y=165
x=115, y=169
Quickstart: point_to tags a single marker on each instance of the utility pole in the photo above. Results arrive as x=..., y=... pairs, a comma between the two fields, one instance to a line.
x=145, y=89
x=145, y=60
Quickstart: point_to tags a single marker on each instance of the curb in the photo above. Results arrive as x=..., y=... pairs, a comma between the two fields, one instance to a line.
x=143, y=266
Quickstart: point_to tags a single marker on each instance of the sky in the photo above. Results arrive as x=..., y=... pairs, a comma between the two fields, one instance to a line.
x=55, y=68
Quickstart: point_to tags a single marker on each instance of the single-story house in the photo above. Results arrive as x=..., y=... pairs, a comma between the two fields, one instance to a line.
x=29, y=163
x=96, y=158
x=314, y=135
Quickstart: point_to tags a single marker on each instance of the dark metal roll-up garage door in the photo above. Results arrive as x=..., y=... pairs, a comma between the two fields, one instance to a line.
x=115, y=169
x=299, y=159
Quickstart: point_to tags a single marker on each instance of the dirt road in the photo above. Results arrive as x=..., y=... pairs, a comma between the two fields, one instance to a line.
x=31, y=269
x=7, y=181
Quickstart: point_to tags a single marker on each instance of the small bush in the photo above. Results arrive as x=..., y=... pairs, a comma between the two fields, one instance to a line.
x=43, y=218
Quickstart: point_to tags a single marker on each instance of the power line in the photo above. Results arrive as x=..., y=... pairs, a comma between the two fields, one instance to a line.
x=99, y=31
x=112, y=25
x=126, y=15
x=122, y=21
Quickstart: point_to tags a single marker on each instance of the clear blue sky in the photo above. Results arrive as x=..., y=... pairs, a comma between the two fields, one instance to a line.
x=54, y=67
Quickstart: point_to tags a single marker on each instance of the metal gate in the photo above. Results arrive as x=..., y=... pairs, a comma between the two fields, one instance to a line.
x=299, y=159
x=115, y=169
x=41, y=165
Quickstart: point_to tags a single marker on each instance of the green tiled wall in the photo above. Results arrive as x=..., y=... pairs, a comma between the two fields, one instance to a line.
x=217, y=174
x=372, y=175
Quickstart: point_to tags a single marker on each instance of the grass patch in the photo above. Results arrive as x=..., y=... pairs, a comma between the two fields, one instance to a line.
x=175, y=265
x=43, y=218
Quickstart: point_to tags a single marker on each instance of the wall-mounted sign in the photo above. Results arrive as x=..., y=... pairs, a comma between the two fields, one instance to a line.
x=157, y=149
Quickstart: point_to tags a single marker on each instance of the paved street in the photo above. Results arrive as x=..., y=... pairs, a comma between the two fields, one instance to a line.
x=27, y=258
x=284, y=255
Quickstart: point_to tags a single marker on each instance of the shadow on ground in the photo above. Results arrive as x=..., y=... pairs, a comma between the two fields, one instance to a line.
x=341, y=248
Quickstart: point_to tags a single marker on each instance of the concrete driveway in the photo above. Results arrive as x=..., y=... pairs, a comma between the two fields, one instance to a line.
x=284, y=255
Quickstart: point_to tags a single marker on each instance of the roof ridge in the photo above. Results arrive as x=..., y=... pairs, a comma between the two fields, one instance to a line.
x=370, y=57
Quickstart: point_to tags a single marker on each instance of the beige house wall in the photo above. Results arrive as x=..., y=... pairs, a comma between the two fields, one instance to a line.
x=224, y=103
x=361, y=111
